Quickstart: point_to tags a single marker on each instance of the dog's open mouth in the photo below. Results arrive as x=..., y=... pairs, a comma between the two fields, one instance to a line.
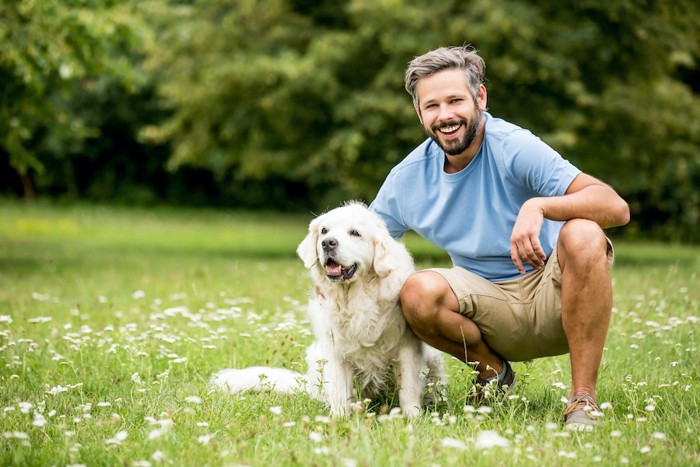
x=338, y=272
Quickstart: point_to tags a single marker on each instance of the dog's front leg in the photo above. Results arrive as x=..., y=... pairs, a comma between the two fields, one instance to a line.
x=408, y=376
x=339, y=388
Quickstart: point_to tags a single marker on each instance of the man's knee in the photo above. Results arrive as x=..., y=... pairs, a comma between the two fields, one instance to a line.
x=582, y=242
x=421, y=296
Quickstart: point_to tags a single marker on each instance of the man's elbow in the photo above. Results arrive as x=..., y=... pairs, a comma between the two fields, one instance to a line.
x=621, y=213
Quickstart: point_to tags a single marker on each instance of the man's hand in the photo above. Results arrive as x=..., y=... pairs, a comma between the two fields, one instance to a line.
x=585, y=198
x=525, y=238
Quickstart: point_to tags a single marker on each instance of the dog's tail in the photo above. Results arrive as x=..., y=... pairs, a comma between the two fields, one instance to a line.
x=259, y=379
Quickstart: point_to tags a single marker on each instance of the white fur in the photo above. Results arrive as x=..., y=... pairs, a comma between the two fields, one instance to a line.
x=361, y=337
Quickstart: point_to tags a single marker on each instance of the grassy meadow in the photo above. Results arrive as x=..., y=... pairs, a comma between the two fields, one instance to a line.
x=112, y=321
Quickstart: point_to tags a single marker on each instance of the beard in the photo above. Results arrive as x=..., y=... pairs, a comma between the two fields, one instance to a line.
x=457, y=147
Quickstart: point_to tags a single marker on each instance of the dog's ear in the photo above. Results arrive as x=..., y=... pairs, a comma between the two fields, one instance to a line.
x=384, y=262
x=307, y=248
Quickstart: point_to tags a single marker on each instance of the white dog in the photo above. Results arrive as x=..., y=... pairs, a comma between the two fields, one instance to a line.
x=361, y=337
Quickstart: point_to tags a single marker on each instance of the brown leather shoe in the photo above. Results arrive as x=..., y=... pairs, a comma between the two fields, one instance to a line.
x=582, y=413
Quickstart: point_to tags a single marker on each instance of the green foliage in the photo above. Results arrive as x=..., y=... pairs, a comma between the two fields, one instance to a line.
x=51, y=51
x=285, y=103
x=298, y=104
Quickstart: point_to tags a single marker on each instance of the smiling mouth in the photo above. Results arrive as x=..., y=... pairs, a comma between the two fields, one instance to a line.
x=448, y=129
x=339, y=273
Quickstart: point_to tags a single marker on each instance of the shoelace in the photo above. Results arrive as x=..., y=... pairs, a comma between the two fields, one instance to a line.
x=507, y=379
x=581, y=402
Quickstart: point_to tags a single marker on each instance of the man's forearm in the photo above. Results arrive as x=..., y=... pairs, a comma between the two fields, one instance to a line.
x=596, y=202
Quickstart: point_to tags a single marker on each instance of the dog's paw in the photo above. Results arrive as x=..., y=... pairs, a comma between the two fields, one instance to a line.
x=340, y=410
x=359, y=406
x=411, y=412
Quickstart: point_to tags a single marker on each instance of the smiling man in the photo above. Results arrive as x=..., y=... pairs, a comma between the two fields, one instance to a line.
x=524, y=230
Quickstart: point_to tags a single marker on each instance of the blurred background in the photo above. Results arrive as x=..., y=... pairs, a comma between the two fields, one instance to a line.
x=293, y=105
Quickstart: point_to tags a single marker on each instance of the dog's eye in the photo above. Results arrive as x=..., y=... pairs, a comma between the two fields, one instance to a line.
x=324, y=231
x=355, y=233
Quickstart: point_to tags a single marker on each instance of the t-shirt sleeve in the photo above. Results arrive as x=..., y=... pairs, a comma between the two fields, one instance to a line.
x=386, y=206
x=535, y=165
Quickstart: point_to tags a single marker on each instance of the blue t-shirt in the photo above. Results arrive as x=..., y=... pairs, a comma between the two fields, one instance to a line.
x=471, y=213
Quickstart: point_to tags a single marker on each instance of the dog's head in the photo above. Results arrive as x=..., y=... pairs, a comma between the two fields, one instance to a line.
x=347, y=242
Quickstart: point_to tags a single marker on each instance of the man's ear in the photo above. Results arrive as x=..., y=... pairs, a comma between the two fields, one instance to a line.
x=307, y=248
x=482, y=97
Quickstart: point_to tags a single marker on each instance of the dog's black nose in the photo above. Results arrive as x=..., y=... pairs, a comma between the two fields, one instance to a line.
x=329, y=244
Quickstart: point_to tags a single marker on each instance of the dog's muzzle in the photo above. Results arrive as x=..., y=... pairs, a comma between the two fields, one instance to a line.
x=338, y=272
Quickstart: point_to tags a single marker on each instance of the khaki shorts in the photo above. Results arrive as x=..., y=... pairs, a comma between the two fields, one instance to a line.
x=519, y=319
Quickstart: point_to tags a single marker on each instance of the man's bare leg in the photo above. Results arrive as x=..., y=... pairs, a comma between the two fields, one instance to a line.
x=586, y=299
x=432, y=312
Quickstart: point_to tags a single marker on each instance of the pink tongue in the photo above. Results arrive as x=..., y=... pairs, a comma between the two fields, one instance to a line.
x=333, y=269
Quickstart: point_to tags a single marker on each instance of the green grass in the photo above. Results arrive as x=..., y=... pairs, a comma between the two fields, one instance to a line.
x=112, y=321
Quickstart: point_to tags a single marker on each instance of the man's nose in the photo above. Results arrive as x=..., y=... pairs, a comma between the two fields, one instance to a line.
x=445, y=113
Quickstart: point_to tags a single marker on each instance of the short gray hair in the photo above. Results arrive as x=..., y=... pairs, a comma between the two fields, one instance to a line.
x=463, y=58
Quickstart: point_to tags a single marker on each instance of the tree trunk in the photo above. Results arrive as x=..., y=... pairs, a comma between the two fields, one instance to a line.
x=27, y=187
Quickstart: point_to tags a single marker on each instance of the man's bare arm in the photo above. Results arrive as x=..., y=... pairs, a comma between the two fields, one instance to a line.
x=586, y=198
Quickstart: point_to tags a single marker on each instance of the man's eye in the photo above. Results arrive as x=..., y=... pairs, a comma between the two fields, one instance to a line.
x=324, y=230
x=355, y=233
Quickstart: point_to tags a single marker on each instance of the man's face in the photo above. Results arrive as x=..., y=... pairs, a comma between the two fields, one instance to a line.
x=448, y=112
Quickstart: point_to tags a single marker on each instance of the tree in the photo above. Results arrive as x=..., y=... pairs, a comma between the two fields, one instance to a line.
x=48, y=50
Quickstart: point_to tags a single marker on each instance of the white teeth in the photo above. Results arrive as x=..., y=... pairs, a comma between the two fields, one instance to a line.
x=449, y=129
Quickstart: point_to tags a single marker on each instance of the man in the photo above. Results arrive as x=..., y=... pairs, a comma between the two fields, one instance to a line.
x=524, y=229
